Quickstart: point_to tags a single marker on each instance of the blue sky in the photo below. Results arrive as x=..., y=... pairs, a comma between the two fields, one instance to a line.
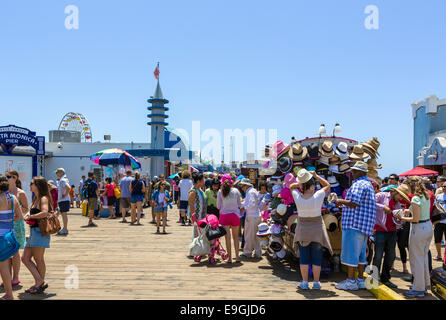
x=290, y=65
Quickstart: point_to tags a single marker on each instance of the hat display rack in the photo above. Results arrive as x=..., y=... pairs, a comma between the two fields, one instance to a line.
x=332, y=159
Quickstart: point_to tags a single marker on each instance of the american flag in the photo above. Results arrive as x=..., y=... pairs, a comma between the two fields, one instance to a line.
x=157, y=71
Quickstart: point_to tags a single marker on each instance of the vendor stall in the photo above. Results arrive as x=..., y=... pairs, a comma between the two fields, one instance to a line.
x=331, y=158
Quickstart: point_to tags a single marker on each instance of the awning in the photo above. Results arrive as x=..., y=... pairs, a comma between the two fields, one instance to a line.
x=419, y=171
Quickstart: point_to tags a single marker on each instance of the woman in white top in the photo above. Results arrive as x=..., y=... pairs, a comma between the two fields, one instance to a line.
x=310, y=234
x=229, y=202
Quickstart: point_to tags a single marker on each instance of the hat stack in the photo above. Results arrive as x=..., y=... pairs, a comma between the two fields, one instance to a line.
x=371, y=147
x=358, y=153
x=279, y=149
x=372, y=166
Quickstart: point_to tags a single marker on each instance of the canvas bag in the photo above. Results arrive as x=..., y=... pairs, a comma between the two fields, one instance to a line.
x=9, y=245
x=200, y=245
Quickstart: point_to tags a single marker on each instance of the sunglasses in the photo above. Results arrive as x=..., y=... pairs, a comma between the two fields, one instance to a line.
x=31, y=183
x=9, y=177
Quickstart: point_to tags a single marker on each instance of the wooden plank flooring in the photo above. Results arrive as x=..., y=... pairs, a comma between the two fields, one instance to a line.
x=119, y=261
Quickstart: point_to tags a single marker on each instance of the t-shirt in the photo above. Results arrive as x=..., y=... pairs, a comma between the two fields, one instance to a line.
x=311, y=207
x=161, y=198
x=185, y=185
x=62, y=184
x=110, y=190
x=211, y=199
x=424, y=206
x=125, y=186
x=94, y=187
x=441, y=200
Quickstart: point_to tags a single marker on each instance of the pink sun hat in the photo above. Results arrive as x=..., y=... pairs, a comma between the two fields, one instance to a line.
x=226, y=177
x=279, y=149
x=289, y=180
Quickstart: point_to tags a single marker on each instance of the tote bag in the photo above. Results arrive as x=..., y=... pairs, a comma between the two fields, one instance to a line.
x=200, y=245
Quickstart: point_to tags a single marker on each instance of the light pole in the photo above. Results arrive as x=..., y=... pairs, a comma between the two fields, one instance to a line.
x=337, y=129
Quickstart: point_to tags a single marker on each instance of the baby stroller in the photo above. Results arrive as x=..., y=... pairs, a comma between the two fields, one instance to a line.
x=213, y=234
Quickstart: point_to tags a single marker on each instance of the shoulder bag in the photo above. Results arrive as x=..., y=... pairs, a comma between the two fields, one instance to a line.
x=200, y=245
x=49, y=225
x=9, y=245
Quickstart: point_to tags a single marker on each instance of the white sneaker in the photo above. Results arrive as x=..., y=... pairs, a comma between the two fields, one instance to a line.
x=347, y=285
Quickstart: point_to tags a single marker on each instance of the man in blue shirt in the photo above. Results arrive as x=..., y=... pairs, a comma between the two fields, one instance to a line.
x=90, y=192
x=358, y=222
x=125, y=194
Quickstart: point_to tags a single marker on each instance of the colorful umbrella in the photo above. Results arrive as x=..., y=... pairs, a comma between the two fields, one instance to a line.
x=173, y=176
x=115, y=157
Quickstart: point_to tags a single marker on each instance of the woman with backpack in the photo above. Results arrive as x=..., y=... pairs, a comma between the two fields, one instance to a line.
x=137, y=192
x=160, y=198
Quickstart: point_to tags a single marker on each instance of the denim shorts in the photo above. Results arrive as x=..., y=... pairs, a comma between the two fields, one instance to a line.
x=311, y=254
x=184, y=204
x=354, y=247
x=134, y=198
x=64, y=206
x=36, y=239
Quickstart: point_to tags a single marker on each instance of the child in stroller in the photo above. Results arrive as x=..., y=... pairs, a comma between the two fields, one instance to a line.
x=216, y=246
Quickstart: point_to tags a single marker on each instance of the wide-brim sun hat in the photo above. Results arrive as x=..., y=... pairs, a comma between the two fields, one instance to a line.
x=403, y=190
x=285, y=164
x=289, y=179
x=313, y=151
x=226, y=177
x=326, y=149
x=281, y=209
x=298, y=152
x=373, y=164
x=341, y=150
x=245, y=182
x=358, y=153
x=281, y=254
x=333, y=182
x=279, y=149
x=371, y=146
x=324, y=160
x=344, y=166
x=330, y=221
x=263, y=230
x=360, y=166
x=303, y=176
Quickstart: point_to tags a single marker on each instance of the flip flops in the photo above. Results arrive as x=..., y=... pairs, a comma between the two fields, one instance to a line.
x=13, y=284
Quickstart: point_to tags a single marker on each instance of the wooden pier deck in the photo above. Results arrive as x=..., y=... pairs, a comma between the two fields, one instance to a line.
x=120, y=261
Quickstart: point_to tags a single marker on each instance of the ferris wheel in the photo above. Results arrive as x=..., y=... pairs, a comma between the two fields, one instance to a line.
x=73, y=121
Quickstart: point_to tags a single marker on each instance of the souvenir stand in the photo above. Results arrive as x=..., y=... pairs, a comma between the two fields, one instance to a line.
x=330, y=158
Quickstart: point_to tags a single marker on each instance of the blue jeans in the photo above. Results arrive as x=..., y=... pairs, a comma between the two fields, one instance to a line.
x=311, y=254
x=385, y=243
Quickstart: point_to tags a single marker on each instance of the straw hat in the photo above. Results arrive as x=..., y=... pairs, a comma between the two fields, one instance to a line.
x=403, y=190
x=334, y=161
x=326, y=149
x=344, y=166
x=246, y=182
x=358, y=153
x=291, y=223
x=298, y=152
x=360, y=165
x=372, y=173
x=372, y=164
x=303, y=176
x=371, y=147
x=331, y=222
x=51, y=184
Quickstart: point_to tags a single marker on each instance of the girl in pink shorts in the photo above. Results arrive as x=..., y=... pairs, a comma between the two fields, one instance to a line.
x=229, y=202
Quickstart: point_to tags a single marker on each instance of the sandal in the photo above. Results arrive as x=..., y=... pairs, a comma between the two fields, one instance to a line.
x=32, y=289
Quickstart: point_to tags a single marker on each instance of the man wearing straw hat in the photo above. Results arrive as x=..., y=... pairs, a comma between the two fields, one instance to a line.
x=358, y=222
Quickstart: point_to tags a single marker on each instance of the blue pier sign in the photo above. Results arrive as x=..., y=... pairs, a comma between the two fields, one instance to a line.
x=12, y=136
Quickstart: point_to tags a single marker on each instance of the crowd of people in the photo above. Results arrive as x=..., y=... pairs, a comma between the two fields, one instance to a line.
x=389, y=213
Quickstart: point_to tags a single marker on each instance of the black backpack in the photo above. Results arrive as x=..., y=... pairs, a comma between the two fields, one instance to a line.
x=87, y=189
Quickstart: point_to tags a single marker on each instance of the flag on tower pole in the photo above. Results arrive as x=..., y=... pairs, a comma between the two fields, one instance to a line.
x=157, y=71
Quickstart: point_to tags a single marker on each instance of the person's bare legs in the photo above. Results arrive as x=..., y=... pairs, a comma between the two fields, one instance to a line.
x=316, y=273
x=32, y=267
x=112, y=212
x=235, y=238
x=228, y=242
x=361, y=269
x=158, y=218
x=304, y=272
x=15, y=267
x=124, y=213
x=351, y=273
x=139, y=211
x=438, y=247
x=132, y=213
x=6, y=277
x=164, y=220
